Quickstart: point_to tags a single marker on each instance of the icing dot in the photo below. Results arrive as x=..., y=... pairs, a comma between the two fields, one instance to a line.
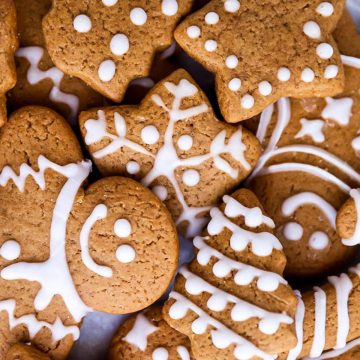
x=82, y=23
x=293, y=231
x=119, y=44
x=265, y=88
x=132, y=167
x=247, y=101
x=235, y=84
x=193, y=32
x=138, y=16
x=125, y=254
x=169, y=7
x=122, y=228
x=109, y=2
x=324, y=51
x=210, y=45
x=325, y=9
x=231, y=62
x=161, y=192
x=10, y=250
x=150, y=135
x=212, y=18
x=331, y=72
x=160, y=354
x=232, y=5
x=307, y=75
x=191, y=177
x=107, y=70
x=185, y=142
x=284, y=74
x=312, y=30
x=319, y=240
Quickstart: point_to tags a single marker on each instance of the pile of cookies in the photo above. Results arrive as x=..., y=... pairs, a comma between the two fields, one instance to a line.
x=262, y=180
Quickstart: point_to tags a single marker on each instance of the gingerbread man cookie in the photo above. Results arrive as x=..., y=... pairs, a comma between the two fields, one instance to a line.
x=310, y=164
x=260, y=51
x=175, y=145
x=232, y=301
x=147, y=336
x=25, y=352
x=8, y=44
x=108, y=43
x=66, y=250
x=39, y=81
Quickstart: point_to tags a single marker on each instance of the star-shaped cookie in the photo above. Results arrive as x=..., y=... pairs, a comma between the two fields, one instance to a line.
x=108, y=43
x=261, y=51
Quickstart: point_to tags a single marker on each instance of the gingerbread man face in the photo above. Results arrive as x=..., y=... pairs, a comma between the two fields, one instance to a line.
x=75, y=250
x=132, y=33
x=261, y=51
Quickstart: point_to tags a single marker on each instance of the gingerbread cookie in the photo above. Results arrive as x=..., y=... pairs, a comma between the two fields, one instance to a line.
x=261, y=51
x=8, y=44
x=232, y=301
x=146, y=336
x=25, y=352
x=108, y=43
x=39, y=81
x=175, y=145
x=66, y=250
x=310, y=163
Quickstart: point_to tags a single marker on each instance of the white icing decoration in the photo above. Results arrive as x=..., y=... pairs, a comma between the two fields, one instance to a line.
x=355, y=143
x=325, y=9
x=312, y=128
x=284, y=74
x=293, y=231
x=125, y=253
x=122, y=228
x=324, y=51
x=266, y=281
x=109, y=2
x=307, y=75
x=138, y=335
x=210, y=45
x=355, y=238
x=169, y=7
x=10, y=250
x=221, y=336
x=34, y=54
x=331, y=72
x=235, y=84
x=53, y=275
x=231, y=62
x=185, y=142
x=193, y=32
x=107, y=70
x=247, y=101
x=211, y=18
x=312, y=30
x=350, y=61
x=265, y=88
x=166, y=160
x=319, y=240
x=119, y=44
x=82, y=23
x=132, y=167
x=161, y=192
x=338, y=110
x=150, y=135
x=160, y=354
x=183, y=352
x=191, y=177
x=334, y=354
x=138, y=16
x=265, y=119
x=231, y=5
x=98, y=213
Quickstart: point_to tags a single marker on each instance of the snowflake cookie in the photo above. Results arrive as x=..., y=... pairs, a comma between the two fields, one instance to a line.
x=146, y=336
x=232, y=301
x=108, y=43
x=8, y=44
x=66, y=250
x=263, y=50
x=175, y=145
x=309, y=166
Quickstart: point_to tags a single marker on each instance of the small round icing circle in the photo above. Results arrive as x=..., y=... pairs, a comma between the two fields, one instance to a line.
x=231, y=62
x=109, y=2
x=82, y=23
x=132, y=167
x=161, y=192
x=235, y=84
x=307, y=75
x=119, y=44
x=247, y=101
x=324, y=51
x=185, y=142
x=138, y=16
x=193, y=32
x=265, y=88
x=210, y=45
x=169, y=7
x=231, y=6
x=150, y=135
x=211, y=18
x=191, y=177
x=284, y=74
x=122, y=228
x=331, y=72
x=325, y=9
x=10, y=250
x=160, y=354
x=107, y=70
x=125, y=254
x=319, y=240
x=293, y=231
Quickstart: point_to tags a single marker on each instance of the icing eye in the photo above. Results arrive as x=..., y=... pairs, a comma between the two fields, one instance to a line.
x=122, y=228
x=319, y=240
x=293, y=231
x=125, y=253
x=10, y=250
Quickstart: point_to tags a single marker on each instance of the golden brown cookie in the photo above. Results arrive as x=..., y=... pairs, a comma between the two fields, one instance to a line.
x=66, y=250
x=261, y=51
x=232, y=301
x=175, y=145
x=310, y=163
x=39, y=81
x=8, y=44
x=25, y=352
x=146, y=336
x=108, y=43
